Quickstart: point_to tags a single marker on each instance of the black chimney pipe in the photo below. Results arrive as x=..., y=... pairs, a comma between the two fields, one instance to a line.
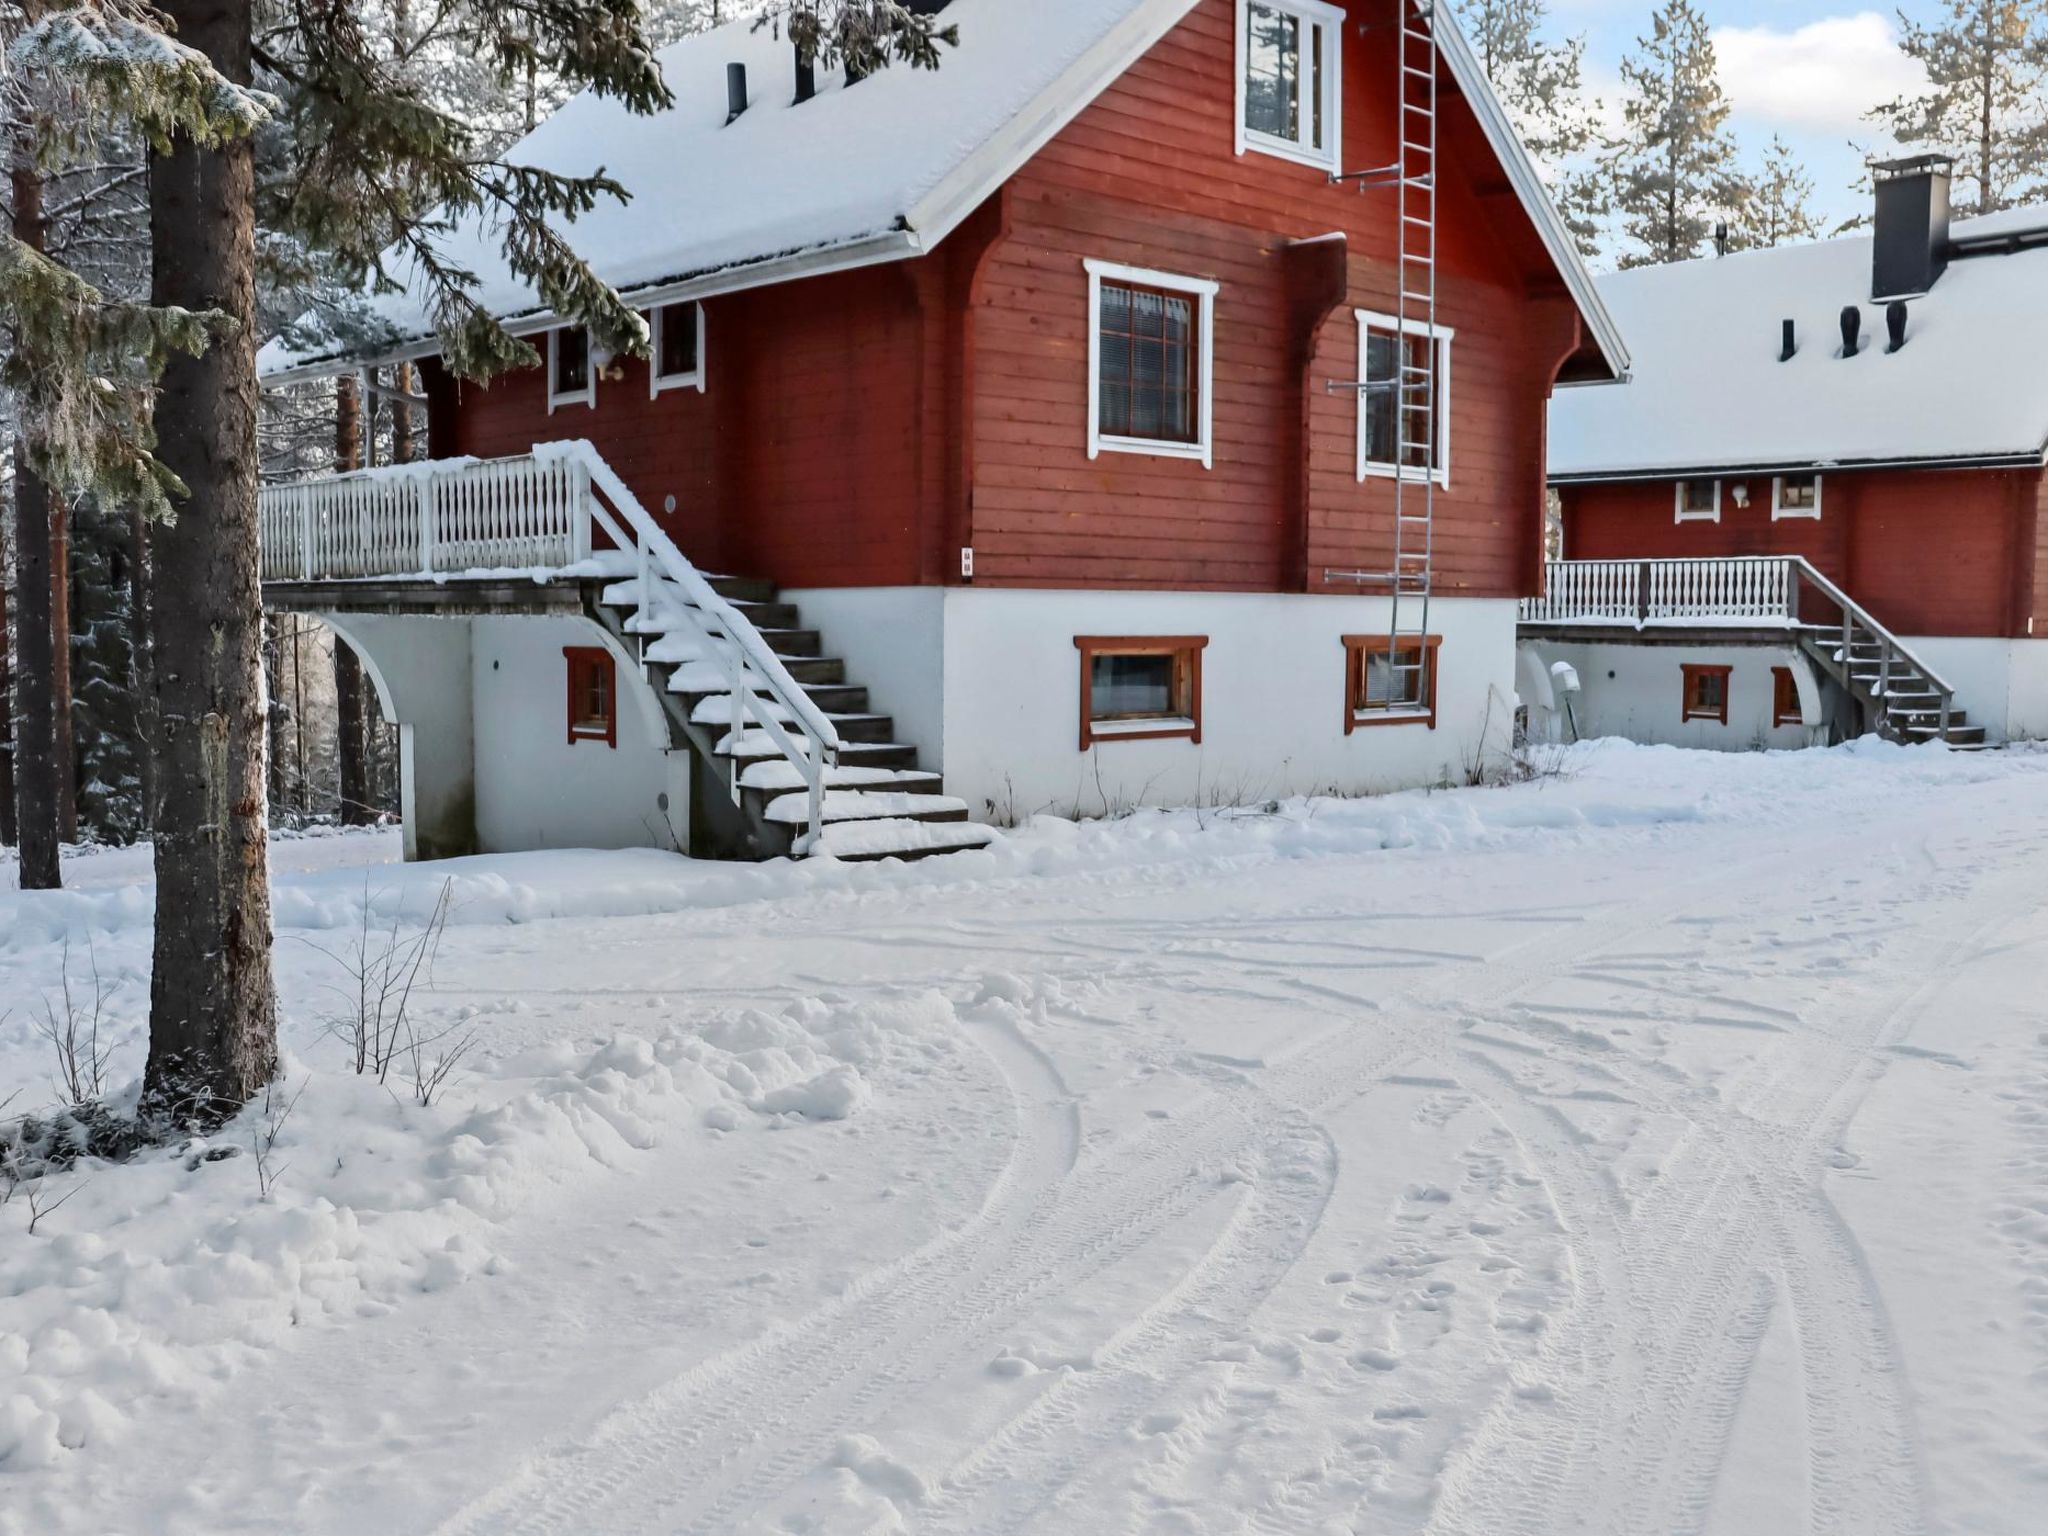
x=1909, y=246
x=1790, y=344
x=1895, y=324
x=735, y=92
x=1852, y=329
x=806, y=77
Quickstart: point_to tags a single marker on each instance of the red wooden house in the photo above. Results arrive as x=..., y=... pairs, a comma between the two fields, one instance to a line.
x=1820, y=506
x=1068, y=428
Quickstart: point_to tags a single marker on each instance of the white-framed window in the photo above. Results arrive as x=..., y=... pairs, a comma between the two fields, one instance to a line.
x=572, y=370
x=1795, y=496
x=1696, y=501
x=1404, y=404
x=1151, y=346
x=1289, y=67
x=676, y=359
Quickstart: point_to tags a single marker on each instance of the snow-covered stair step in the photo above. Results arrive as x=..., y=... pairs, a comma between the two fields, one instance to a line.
x=893, y=839
x=867, y=805
x=781, y=774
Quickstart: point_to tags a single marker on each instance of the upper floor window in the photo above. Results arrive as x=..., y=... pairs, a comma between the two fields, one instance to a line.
x=1404, y=406
x=1697, y=501
x=678, y=347
x=1150, y=342
x=572, y=380
x=1795, y=496
x=1290, y=55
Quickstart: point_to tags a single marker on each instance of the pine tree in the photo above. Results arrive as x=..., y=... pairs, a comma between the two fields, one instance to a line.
x=1541, y=83
x=1987, y=98
x=1674, y=169
x=104, y=630
x=1779, y=209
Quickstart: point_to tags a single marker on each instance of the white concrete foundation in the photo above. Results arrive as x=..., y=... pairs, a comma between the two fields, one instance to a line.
x=487, y=764
x=987, y=685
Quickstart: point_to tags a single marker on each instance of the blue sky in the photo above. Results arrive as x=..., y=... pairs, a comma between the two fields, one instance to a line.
x=1804, y=69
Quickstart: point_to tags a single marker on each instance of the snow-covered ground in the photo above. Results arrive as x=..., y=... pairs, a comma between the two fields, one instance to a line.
x=1660, y=1147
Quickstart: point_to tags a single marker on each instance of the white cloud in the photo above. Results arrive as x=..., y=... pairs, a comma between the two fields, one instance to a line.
x=1824, y=75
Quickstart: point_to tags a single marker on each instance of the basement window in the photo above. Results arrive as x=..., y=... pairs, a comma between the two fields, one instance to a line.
x=678, y=347
x=593, y=694
x=1706, y=692
x=571, y=378
x=1697, y=501
x=1795, y=496
x=1150, y=343
x=1140, y=687
x=1290, y=60
x=1406, y=399
x=1785, y=708
x=1388, y=686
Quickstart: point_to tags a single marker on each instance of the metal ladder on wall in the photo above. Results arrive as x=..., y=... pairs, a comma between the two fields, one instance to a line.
x=1413, y=175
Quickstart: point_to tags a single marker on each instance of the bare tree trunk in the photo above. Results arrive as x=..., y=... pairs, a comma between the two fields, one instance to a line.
x=140, y=662
x=349, y=744
x=8, y=830
x=64, y=742
x=213, y=1008
x=402, y=448
x=39, y=773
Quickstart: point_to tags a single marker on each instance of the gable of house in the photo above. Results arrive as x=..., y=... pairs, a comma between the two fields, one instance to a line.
x=876, y=171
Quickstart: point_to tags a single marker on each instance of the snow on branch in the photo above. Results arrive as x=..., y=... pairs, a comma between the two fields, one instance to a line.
x=133, y=69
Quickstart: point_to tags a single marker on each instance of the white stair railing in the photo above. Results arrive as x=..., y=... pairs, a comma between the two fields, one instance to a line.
x=720, y=631
x=537, y=515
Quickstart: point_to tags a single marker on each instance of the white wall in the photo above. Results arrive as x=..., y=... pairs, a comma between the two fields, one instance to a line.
x=420, y=668
x=537, y=789
x=1637, y=691
x=1273, y=677
x=893, y=642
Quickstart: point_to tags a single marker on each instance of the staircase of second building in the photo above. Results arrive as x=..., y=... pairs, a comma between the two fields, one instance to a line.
x=1901, y=696
x=878, y=802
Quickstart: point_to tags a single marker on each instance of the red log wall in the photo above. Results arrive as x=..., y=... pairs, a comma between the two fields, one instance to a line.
x=860, y=428
x=1929, y=552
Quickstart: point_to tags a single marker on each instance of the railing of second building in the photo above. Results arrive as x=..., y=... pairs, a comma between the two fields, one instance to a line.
x=1739, y=589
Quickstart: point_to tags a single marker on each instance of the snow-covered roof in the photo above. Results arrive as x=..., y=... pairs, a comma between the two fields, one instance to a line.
x=868, y=174
x=1708, y=392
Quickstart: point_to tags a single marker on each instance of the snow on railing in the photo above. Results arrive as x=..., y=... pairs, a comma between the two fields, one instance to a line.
x=1749, y=589
x=436, y=517
x=539, y=514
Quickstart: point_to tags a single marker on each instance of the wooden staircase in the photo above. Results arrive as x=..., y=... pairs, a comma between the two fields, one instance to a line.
x=1901, y=697
x=878, y=803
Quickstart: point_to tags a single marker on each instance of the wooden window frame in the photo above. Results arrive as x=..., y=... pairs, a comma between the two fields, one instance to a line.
x=1204, y=291
x=1784, y=684
x=1780, y=512
x=657, y=381
x=1694, y=671
x=587, y=395
x=1370, y=321
x=1187, y=684
x=1357, y=648
x=1329, y=19
x=579, y=661
x=1679, y=512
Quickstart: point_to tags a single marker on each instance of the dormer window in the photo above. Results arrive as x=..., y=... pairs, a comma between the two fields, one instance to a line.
x=1697, y=501
x=1290, y=55
x=1795, y=496
x=678, y=339
x=571, y=378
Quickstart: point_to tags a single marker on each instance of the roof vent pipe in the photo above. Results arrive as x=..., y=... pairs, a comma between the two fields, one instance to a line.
x=735, y=91
x=1790, y=343
x=806, y=77
x=1852, y=330
x=1895, y=324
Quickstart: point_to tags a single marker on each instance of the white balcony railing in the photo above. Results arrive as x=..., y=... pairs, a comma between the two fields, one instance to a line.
x=1745, y=590
x=548, y=514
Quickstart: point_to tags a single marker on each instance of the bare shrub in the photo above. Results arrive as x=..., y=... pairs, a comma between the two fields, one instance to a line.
x=73, y=1033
